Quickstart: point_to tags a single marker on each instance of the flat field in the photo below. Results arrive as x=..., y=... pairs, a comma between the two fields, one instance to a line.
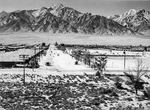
x=34, y=38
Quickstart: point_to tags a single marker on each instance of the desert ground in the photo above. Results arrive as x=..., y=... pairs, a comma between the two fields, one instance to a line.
x=35, y=38
x=66, y=86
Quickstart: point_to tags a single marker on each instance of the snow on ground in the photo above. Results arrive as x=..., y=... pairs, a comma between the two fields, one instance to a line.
x=66, y=62
x=62, y=63
x=84, y=91
x=14, y=55
x=1, y=108
x=46, y=58
x=117, y=63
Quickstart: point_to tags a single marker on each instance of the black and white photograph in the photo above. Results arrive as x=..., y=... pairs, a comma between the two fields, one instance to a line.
x=74, y=54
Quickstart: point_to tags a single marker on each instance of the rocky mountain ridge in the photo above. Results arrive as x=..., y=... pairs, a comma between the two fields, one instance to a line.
x=61, y=19
x=136, y=20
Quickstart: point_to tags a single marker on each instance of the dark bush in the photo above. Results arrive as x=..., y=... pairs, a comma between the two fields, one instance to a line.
x=43, y=44
x=47, y=64
x=98, y=74
x=96, y=101
x=128, y=83
x=76, y=62
x=128, y=99
x=119, y=85
x=105, y=90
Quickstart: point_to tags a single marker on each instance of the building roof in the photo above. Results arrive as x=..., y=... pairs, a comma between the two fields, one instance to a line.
x=14, y=55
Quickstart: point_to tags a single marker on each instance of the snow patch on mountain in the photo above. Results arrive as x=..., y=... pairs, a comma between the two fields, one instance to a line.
x=56, y=9
x=136, y=20
x=131, y=12
x=39, y=12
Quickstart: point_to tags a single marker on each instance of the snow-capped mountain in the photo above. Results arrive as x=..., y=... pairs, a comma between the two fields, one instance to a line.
x=66, y=13
x=56, y=9
x=61, y=19
x=39, y=12
x=136, y=20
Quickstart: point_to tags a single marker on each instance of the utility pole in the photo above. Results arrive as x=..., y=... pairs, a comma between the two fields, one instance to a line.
x=23, y=57
x=144, y=51
x=35, y=52
x=124, y=59
x=40, y=49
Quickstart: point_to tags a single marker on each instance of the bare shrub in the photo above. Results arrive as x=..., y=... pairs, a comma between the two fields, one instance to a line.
x=140, y=70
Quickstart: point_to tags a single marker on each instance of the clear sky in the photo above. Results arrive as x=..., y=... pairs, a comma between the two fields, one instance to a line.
x=100, y=7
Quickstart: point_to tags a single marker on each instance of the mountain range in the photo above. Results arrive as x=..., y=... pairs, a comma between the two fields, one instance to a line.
x=61, y=19
x=137, y=20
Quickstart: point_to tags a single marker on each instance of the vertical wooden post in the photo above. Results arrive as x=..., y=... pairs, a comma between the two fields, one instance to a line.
x=124, y=59
x=23, y=57
x=24, y=76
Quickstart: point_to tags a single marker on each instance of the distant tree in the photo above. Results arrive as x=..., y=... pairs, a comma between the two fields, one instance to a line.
x=56, y=44
x=100, y=64
x=98, y=74
x=118, y=82
x=62, y=44
x=33, y=63
x=76, y=54
x=76, y=62
x=88, y=58
x=61, y=47
x=43, y=44
x=135, y=78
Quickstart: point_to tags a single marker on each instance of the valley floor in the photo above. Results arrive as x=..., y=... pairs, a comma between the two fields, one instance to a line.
x=35, y=38
x=64, y=85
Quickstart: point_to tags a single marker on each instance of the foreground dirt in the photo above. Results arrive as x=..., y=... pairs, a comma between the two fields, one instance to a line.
x=67, y=92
